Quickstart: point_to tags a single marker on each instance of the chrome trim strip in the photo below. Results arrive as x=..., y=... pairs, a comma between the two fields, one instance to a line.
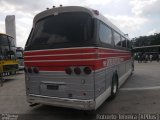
x=73, y=59
x=58, y=49
x=61, y=54
x=62, y=102
x=113, y=49
x=73, y=54
x=58, y=98
x=76, y=48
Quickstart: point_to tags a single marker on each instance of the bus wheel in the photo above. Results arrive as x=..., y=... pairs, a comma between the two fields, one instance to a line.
x=114, y=87
x=132, y=66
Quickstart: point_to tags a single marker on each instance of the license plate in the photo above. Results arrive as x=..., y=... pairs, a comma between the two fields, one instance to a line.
x=52, y=87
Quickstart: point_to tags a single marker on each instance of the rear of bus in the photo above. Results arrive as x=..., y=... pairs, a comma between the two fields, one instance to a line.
x=8, y=61
x=60, y=59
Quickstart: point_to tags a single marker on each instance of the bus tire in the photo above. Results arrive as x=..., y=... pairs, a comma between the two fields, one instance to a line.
x=114, y=86
x=132, y=69
x=132, y=66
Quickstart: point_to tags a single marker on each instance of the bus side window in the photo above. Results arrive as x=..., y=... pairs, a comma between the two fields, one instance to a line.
x=105, y=34
x=124, y=42
x=129, y=44
x=117, y=38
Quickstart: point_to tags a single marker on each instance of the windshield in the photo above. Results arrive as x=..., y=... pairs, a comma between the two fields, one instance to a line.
x=7, y=47
x=61, y=30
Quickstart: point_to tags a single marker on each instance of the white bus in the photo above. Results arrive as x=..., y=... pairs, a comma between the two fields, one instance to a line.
x=75, y=58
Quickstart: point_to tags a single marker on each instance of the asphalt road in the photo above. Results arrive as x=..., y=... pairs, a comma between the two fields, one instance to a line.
x=139, y=94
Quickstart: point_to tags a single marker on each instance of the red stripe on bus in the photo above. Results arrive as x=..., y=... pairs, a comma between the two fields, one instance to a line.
x=63, y=64
x=91, y=56
x=60, y=66
x=75, y=57
x=73, y=51
x=63, y=51
x=59, y=59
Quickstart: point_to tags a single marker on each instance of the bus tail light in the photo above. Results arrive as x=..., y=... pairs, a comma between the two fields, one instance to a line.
x=36, y=70
x=87, y=70
x=29, y=70
x=77, y=70
x=68, y=70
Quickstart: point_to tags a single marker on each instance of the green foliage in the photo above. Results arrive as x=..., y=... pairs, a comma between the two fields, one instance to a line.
x=147, y=40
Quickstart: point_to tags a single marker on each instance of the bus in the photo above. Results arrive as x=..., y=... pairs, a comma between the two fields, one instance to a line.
x=19, y=54
x=8, y=61
x=76, y=58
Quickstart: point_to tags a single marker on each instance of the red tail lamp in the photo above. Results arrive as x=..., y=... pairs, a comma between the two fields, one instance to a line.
x=36, y=70
x=29, y=70
x=87, y=70
x=77, y=70
x=68, y=70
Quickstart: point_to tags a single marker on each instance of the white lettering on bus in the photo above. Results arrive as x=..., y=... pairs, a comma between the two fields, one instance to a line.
x=113, y=61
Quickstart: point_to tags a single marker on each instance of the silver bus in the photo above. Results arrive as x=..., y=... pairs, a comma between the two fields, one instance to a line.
x=75, y=58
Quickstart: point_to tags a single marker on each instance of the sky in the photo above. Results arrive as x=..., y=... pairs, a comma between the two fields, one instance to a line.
x=133, y=17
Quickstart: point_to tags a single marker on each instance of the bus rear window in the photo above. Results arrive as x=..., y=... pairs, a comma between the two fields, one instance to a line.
x=64, y=28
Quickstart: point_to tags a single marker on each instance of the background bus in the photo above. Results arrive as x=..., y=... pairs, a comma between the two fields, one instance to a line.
x=8, y=61
x=75, y=58
x=19, y=54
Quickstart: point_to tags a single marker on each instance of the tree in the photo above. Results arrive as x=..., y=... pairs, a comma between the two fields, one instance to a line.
x=147, y=40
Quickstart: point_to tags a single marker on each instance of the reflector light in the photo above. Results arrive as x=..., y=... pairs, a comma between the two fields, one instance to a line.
x=77, y=70
x=29, y=70
x=96, y=12
x=36, y=70
x=87, y=70
x=68, y=70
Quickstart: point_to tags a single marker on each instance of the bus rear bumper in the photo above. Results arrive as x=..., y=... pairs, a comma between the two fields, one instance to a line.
x=62, y=102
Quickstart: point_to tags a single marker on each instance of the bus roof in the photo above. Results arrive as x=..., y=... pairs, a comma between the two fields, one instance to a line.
x=5, y=34
x=76, y=9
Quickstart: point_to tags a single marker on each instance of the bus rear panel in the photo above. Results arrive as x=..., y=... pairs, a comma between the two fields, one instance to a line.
x=64, y=63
